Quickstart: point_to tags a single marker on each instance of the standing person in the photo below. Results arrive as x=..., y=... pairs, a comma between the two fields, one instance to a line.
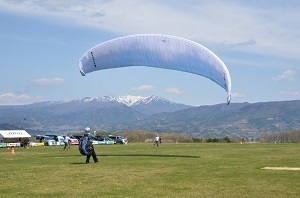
x=69, y=143
x=156, y=140
x=26, y=143
x=66, y=141
x=86, y=146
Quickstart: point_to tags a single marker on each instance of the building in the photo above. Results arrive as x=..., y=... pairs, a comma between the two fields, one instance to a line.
x=13, y=138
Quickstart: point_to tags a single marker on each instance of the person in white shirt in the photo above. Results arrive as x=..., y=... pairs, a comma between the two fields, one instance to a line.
x=66, y=141
x=156, y=140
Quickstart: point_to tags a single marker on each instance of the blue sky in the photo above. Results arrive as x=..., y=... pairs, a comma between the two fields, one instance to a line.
x=42, y=41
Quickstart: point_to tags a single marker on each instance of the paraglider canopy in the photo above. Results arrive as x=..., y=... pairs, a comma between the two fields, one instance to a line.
x=159, y=51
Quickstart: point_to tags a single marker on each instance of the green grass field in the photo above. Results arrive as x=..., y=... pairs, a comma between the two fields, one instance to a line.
x=141, y=170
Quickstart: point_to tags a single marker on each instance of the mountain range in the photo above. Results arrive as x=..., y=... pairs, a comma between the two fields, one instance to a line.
x=153, y=113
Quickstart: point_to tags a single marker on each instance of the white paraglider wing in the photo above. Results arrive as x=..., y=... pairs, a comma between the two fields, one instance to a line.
x=159, y=51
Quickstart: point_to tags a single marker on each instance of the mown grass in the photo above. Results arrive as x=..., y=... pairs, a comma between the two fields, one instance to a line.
x=141, y=170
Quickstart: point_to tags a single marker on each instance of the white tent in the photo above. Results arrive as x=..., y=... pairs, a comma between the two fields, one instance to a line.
x=12, y=137
x=14, y=134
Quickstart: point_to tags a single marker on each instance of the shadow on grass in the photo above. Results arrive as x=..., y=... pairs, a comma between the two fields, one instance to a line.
x=77, y=163
x=139, y=155
x=128, y=155
x=147, y=155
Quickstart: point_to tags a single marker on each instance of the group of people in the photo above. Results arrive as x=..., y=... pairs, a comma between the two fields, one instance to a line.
x=86, y=145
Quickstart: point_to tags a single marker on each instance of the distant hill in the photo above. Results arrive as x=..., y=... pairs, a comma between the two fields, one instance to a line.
x=102, y=112
x=7, y=126
x=237, y=120
x=130, y=113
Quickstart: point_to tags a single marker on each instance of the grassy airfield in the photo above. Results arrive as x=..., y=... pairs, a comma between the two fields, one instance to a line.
x=142, y=170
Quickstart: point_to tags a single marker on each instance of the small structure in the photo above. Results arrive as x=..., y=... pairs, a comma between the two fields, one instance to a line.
x=13, y=138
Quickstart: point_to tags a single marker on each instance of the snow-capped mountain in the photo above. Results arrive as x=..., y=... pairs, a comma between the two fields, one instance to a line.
x=87, y=111
x=138, y=100
x=98, y=99
x=130, y=100
x=146, y=105
x=155, y=105
x=150, y=99
x=127, y=100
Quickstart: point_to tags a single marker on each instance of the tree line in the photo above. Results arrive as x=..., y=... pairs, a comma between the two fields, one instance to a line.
x=147, y=136
x=282, y=137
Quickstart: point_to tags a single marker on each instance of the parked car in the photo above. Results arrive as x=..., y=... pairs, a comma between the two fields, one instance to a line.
x=40, y=138
x=77, y=136
x=49, y=141
x=58, y=138
x=106, y=141
x=118, y=139
x=74, y=141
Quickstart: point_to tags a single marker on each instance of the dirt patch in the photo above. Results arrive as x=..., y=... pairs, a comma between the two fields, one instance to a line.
x=281, y=168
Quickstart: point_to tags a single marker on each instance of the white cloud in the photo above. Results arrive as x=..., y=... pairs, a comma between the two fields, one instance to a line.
x=237, y=95
x=226, y=45
x=143, y=88
x=174, y=91
x=48, y=82
x=290, y=93
x=261, y=26
x=289, y=75
x=12, y=99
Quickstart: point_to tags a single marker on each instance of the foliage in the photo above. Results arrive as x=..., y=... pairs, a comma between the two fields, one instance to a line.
x=146, y=136
x=225, y=139
x=198, y=140
x=282, y=137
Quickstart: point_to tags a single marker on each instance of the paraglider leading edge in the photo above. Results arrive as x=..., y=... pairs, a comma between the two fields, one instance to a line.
x=159, y=51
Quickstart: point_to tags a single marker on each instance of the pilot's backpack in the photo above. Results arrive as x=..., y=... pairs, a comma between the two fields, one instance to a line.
x=85, y=146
